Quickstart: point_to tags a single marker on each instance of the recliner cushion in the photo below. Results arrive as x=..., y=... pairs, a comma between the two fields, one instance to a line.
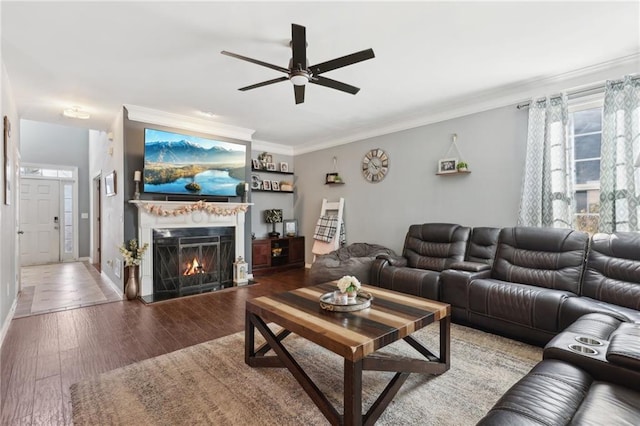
x=542, y=257
x=548, y=395
x=482, y=245
x=531, y=306
x=613, y=269
x=435, y=246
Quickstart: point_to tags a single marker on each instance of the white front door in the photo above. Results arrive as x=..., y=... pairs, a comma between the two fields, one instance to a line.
x=40, y=221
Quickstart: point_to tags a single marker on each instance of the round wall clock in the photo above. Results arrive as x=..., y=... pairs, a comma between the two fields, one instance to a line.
x=375, y=165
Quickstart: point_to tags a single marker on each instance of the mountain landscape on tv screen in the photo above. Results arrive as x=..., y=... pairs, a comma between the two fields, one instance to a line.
x=186, y=167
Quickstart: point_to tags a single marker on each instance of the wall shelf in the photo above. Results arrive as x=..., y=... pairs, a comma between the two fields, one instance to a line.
x=266, y=190
x=334, y=183
x=270, y=171
x=454, y=173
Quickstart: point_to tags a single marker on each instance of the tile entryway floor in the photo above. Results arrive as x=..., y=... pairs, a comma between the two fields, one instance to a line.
x=60, y=286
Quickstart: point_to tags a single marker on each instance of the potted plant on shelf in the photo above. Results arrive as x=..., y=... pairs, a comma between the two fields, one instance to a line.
x=462, y=166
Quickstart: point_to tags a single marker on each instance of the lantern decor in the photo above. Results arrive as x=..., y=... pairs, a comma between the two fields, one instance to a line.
x=240, y=272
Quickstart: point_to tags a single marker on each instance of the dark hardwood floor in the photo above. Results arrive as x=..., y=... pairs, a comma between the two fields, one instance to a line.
x=43, y=355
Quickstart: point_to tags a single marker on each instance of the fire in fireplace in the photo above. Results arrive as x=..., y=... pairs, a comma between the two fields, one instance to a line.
x=192, y=260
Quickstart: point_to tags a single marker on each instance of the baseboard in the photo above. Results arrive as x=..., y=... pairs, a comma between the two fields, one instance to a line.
x=112, y=284
x=84, y=259
x=7, y=321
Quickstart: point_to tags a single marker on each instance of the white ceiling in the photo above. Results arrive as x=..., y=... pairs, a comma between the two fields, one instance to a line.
x=429, y=56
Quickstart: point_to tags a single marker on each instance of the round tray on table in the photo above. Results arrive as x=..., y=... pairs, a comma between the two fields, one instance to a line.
x=361, y=301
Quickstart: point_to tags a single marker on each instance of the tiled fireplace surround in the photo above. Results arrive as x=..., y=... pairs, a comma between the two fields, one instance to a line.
x=197, y=218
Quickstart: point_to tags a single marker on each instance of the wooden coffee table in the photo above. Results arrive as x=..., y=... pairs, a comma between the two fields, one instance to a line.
x=355, y=336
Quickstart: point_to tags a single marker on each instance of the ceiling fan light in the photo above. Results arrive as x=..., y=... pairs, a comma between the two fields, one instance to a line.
x=76, y=112
x=299, y=79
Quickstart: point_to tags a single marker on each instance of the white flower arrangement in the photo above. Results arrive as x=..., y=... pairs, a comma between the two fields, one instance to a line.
x=348, y=283
x=132, y=254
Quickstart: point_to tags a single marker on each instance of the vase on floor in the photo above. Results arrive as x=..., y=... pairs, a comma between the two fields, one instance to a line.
x=131, y=288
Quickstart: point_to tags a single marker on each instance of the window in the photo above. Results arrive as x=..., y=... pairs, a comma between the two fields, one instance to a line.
x=585, y=132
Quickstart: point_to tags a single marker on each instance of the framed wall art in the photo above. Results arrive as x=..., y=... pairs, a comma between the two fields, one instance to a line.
x=110, y=184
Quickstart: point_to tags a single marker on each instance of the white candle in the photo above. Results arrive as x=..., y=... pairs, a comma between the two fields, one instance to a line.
x=136, y=176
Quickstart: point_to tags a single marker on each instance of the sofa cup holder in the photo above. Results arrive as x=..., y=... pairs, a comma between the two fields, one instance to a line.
x=589, y=341
x=582, y=349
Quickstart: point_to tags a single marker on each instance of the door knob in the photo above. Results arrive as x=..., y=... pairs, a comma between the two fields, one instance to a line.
x=20, y=232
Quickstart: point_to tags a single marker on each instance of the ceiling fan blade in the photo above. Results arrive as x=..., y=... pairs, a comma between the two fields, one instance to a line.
x=327, y=82
x=264, y=83
x=343, y=61
x=299, y=92
x=299, y=46
x=255, y=61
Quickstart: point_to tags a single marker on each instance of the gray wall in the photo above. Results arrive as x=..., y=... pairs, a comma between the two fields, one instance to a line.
x=54, y=144
x=492, y=142
x=9, y=249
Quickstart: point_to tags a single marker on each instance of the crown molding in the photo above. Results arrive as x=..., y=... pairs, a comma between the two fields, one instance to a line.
x=163, y=118
x=276, y=148
x=491, y=99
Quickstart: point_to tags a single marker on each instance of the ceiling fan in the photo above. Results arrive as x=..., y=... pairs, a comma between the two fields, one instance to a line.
x=300, y=73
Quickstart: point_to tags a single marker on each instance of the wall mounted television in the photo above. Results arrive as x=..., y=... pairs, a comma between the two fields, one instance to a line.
x=185, y=165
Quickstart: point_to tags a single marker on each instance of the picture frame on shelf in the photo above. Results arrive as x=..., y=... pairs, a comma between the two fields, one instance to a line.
x=330, y=178
x=447, y=165
x=269, y=158
x=266, y=185
x=275, y=185
x=255, y=182
x=110, y=184
x=271, y=166
x=284, y=167
x=290, y=227
x=255, y=163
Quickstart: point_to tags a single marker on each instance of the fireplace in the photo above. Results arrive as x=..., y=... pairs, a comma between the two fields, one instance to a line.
x=179, y=219
x=192, y=260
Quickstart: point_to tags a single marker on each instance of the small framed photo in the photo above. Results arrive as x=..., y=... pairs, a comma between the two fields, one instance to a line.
x=266, y=185
x=255, y=164
x=255, y=182
x=271, y=166
x=290, y=227
x=110, y=184
x=284, y=167
x=269, y=158
x=275, y=185
x=447, y=165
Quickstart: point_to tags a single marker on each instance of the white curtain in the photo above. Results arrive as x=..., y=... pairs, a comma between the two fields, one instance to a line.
x=619, y=176
x=548, y=183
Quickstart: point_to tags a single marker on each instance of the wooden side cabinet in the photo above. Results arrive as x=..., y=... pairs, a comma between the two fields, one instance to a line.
x=271, y=255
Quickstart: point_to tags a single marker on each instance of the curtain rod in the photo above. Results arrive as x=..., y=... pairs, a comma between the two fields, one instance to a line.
x=572, y=94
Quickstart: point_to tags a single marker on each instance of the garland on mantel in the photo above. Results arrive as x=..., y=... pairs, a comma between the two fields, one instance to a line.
x=198, y=206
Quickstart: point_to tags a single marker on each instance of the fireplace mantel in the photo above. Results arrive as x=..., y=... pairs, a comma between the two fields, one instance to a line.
x=184, y=214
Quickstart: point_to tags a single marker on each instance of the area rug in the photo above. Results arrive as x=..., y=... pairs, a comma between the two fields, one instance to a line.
x=209, y=383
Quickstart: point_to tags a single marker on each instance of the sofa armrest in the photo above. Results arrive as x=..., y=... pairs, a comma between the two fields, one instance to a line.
x=454, y=290
x=624, y=348
x=470, y=266
x=393, y=260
